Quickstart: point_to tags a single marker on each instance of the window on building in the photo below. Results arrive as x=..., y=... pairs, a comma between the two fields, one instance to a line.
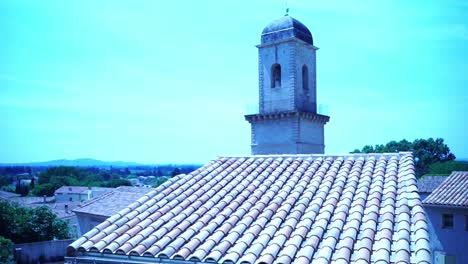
x=70, y=199
x=447, y=221
x=275, y=75
x=305, y=79
x=466, y=222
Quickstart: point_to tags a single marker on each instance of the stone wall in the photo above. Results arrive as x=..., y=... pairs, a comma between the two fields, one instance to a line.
x=46, y=251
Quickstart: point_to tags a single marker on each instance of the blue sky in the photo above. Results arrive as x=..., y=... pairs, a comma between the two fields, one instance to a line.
x=169, y=81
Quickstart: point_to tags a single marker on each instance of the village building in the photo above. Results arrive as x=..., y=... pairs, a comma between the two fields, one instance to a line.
x=283, y=204
x=95, y=211
x=447, y=208
x=79, y=193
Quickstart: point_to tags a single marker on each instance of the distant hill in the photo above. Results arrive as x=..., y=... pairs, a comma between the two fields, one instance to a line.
x=85, y=162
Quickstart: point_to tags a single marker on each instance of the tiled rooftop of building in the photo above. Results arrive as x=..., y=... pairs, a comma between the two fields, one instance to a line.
x=111, y=203
x=361, y=208
x=61, y=210
x=428, y=184
x=7, y=195
x=452, y=192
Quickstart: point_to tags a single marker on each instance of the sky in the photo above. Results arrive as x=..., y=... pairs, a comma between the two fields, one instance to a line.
x=169, y=81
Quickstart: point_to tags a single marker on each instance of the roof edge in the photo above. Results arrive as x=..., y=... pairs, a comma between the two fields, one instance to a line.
x=439, y=205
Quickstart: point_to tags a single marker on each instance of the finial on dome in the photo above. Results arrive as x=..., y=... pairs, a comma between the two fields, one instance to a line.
x=287, y=8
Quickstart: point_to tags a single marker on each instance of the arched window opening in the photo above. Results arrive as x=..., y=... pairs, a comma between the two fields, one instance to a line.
x=305, y=79
x=275, y=75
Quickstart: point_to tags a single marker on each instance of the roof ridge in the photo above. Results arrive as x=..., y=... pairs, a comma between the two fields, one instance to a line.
x=94, y=200
x=398, y=154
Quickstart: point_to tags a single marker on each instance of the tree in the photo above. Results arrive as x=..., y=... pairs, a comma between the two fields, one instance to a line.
x=425, y=151
x=116, y=183
x=5, y=180
x=22, y=225
x=47, y=189
x=175, y=172
x=446, y=168
x=46, y=225
x=18, y=186
x=160, y=180
x=6, y=251
x=33, y=182
x=62, y=176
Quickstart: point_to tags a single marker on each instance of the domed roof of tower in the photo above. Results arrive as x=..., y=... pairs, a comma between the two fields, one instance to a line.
x=284, y=28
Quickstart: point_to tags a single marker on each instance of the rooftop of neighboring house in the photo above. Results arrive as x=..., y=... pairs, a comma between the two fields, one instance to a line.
x=452, y=192
x=62, y=210
x=31, y=200
x=428, y=184
x=112, y=202
x=274, y=209
x=7, y=195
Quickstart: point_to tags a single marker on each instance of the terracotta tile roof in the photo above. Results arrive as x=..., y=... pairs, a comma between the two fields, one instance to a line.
x=428, y=184
x=111, y=203
x=276, y=209
x=453, y=191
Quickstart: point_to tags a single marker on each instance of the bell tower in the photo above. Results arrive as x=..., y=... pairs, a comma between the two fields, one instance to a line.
x=287, y=122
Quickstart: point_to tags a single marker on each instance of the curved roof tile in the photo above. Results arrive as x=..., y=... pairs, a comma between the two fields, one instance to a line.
x=277, y=209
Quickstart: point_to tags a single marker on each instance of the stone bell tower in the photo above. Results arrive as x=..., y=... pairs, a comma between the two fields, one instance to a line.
x=287, y=122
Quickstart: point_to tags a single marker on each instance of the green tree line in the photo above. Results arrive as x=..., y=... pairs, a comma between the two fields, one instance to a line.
x=425, y=151
x=56, y=177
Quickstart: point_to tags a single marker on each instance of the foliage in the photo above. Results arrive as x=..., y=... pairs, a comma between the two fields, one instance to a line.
x=33, y=183
x=30, y=224
x=116, y=183
x=160, y=180
x=47, y=189
x=5, y=180
x=425, y=151
x=446, y=168
x=6, y=251
x=56, y=177
x=46, y=225
x=8, y=188
x=175, y=172
x=61, y=176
